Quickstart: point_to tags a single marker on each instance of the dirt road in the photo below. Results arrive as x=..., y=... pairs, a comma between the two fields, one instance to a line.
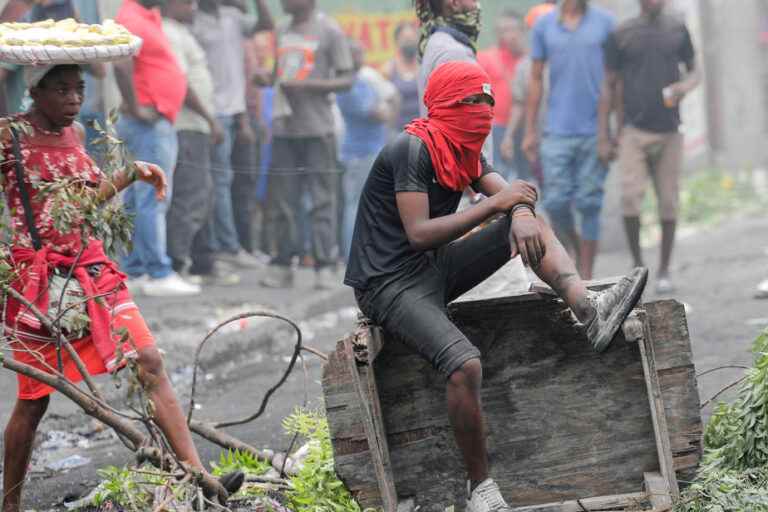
x=716, y=271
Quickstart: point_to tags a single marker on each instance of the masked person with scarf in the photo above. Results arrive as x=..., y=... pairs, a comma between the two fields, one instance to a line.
x=410, y=256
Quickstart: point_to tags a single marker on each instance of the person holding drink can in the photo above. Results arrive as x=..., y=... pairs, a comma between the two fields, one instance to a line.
x=643, y=83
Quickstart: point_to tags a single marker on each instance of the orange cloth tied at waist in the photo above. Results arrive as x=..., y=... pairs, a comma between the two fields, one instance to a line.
x=35, y=267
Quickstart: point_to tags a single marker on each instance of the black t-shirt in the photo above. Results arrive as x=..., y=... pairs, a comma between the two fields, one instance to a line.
x=380, y=246
x=647, y=54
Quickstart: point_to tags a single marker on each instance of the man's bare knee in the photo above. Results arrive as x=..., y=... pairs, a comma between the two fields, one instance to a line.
x=27, y=414
x=469, y=375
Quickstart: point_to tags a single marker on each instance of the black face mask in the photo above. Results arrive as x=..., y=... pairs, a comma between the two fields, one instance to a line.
x=409, y=51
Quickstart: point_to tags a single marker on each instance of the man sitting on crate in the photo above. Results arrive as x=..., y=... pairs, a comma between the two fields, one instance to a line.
x=409, y=260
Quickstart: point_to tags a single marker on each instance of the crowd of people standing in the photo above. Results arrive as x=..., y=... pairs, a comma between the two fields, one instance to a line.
x=268, y=132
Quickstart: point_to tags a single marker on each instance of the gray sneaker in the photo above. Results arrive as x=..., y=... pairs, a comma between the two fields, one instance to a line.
x=219, y=276
x=487, y=498
x=241, y=259
x=278, y=277
x=612, y=306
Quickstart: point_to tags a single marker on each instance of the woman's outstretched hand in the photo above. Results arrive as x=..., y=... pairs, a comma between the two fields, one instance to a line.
x=153, y=175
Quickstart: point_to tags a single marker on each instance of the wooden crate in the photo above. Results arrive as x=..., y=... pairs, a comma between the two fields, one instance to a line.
x=568, y=429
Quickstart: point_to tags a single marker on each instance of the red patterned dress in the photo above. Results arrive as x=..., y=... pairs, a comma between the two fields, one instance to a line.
x=56, y=157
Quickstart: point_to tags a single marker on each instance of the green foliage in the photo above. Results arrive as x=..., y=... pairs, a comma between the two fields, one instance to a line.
x=727, y=491
x=734, y=471
x=233, y=460
x=120, y=488
x=316, y=488
x=737, y=435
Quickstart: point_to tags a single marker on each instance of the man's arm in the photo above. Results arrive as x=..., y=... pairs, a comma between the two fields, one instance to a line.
x=266, y=22
x=515, y=120
x=124, y=77
x=425, y=233
x=533, y=107
x=192, y=100
x=687, y=55
x=606, y=143
x=252, y=24
x=341, y=82
x=689, y=83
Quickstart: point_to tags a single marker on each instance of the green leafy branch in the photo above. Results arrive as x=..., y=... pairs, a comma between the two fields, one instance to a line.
x=734, y=471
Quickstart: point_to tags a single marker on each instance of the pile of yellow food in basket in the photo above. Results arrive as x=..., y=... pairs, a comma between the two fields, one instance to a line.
x=64, y=33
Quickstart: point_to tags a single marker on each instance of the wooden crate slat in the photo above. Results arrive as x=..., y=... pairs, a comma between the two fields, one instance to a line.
x=548, y=443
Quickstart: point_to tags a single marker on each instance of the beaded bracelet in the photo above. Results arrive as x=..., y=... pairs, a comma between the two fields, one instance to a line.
x=520, y=206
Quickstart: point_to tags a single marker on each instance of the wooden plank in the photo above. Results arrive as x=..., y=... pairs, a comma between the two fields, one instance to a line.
x=679, y=386
x=633, y=328
x=658, y=491
x=376, y=445
x=658, y=413
x=388, y=490
x=620, y=502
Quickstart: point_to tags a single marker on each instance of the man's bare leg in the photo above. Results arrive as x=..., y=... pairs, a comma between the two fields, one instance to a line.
x=570, y=240
x=668, y=229
x=587, y=256
x=466, y=415
x=559, y=272
x=632, y=228
x=168, y=414
x=19, y=437
x=602, y=313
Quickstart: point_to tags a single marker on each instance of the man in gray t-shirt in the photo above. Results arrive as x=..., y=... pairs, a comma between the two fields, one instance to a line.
x=313, y=62
x=448, y=35
x=441, y=47
x=221, y=27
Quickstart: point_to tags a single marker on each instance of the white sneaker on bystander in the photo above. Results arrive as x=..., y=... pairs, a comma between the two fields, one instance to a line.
x=171, y=285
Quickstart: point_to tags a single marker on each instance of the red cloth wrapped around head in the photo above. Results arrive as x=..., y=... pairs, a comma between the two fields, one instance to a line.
x=454, y=132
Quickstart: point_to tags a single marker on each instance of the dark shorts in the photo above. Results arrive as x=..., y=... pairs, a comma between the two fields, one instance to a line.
x=413, y=306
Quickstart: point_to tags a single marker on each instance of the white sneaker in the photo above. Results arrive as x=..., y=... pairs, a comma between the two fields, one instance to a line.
x=665, y=286
x=486, y=498
x=135, y=285
x=170, y=286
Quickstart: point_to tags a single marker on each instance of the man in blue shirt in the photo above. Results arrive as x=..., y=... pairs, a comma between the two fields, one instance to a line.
x=569, y=41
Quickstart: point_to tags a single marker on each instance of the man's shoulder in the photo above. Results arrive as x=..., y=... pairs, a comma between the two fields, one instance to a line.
x=409, y=150
x=443, y=40
x=601, y=14
x=327, y=23
x=488, y=56
x=441, y=48
x=174, y=29
x=667, y=22
x=130, y=13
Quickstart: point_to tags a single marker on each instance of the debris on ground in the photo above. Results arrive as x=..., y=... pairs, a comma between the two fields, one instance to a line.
x=67, y=463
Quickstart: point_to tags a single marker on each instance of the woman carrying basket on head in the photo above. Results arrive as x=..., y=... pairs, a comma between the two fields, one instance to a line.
x=51, y=150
